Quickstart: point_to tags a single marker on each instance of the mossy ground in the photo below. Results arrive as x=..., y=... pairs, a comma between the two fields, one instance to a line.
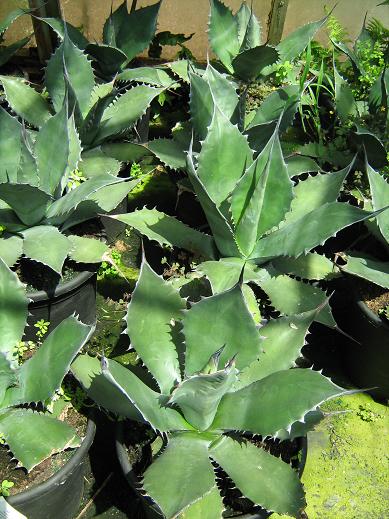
x=347, y=470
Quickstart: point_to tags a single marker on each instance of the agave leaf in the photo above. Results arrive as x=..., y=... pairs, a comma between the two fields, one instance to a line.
x=169, y=152
x=154, y=76
x=137, y=29
x=9, y=219
x=13, y=309
x=369, y=269
x=52, y=151
x=314, y=192
x=91, y=125
x=28, y=171
x=209, y=506
x=262, y=197
x=284, y=338
x=379, y=92
x=35, y=246
x=108, y=59
x=249, y=64
x=74, y=152
x=355, y=61
x=249, y=29
x=150, y=326
x=222, y=274
x=113, y=23
x=11, y=248
x=166, y=230
x=199, y=395
x=291, y=296
x=274, y=402
x=125, y=151
x=264, y=478
x=309, y=231
x=26, y=101
x=373, y=147
x=299, y=429
x=87, y=371
x=79, y=75
x=275, y=104
x=95, y=162
x=7, y=375
x=219, y=172
x=74, y=34
x=180, y=69
x=32, y=437
x=42, y=374
x=294, y=44
x=149, y=403
x=186, y=456
x=344, y=99
x=380, y=195
x=124, y=112
x=7, y=52
x=224, y=93
x=223, y=33
x=87, y=250
x=10, y=146
x=29, y=202
x=310, y=266
x=298, y=164
x=69, y=202
x=232, y=327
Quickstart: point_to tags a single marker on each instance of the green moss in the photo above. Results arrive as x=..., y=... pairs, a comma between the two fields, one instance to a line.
x=346, y=475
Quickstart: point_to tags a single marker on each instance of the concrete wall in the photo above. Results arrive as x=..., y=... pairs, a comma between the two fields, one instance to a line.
x=190, y=16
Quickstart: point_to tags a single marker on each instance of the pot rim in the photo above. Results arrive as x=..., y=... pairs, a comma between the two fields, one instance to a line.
x=131, y=478
x=63, y=472
x=79, y=279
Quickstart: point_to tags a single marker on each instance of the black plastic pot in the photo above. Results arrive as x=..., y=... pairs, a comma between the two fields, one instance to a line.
x=75, y=296
x=59, y=497
x=150, y=509
x=366, y=359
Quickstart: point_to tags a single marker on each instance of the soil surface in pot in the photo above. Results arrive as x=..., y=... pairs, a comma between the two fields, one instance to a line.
x=24, y=480
x=137, y=436
x=375, y=297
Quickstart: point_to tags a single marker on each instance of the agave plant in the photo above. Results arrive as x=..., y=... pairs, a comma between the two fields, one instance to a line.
x=204, y=389
x=125, y=35
x=258, y=217
x=102, y=111
x=37, y=204
x=23, y=387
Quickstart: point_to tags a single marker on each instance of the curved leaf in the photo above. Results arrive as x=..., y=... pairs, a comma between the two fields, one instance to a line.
x=35, y=246
x=294, y=44
x=208, y=507
x=366, y=268
x=169, y=152
x=151, y=75
x=274, y=402
x=186, y=459
x=263, y=478
x=223, y=33
x=249, y=64
x=87, y=250
x=29, y=202
x=309, y=266
x=11, y=248
x=232, y=326
x=13, y=309
x=380, y=196
x=26, y=101
x=150, y=326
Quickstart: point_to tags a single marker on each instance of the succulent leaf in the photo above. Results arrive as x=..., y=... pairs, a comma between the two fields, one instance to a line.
x=29, y=202
x=310, y=266
x=35, y=246
x=264, y=479
x=10, y=146
x=87, y=250
x=11, y=248
x=167, y=230
x=186, y=456
x=262, y=197
x=232, y=326
x=219, y=172
x=73, y=33
x=26, y=101
x=274, y=402
x=344, y=99
x=42, y=374
x=367, y=268
x=13, y=310
x=38, y=438
x=379, y=188
x=199, y=395
x=249, y=64
x=249, y=29
x=169, y=152
x=155, y=76
x=283, y=340
x=223, y=33
x=298, y=164
x=149, y=326
x=210, y=506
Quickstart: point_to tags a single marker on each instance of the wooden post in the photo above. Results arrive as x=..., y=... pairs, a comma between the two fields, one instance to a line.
x=277, y=17
x=44, y=36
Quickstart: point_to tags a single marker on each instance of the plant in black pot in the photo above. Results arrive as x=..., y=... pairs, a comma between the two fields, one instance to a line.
x=30, y=432
x=257, y=217
x=40, y=207
x=212, y=382
x=361, y=306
